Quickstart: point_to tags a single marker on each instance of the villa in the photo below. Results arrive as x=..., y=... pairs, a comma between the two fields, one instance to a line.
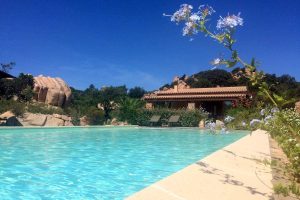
x=181, y=96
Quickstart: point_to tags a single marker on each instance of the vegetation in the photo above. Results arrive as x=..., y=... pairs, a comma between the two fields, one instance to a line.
x=129, y=110
x=241, y=117
x=136, y=92
x=284, y=126
x=20, y=87
x=44, y=109
x=18, y=108
x=6, y=67
x=188, y=118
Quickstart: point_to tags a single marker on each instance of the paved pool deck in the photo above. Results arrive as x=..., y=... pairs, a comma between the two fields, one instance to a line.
x=236, y=172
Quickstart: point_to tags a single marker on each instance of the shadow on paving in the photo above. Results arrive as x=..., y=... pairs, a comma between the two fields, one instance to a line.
x=229, y=179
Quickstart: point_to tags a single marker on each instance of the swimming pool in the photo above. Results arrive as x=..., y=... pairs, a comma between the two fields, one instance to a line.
x=96, y=163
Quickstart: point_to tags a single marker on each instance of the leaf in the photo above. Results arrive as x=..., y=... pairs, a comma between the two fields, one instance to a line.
x=278, y=98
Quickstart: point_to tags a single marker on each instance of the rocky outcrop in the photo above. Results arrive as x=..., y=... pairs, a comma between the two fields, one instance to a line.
x=32, y=119
x=84, y=121
x=52, y=91
x=9, y=119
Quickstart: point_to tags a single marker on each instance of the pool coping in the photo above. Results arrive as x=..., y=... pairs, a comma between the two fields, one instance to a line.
x=237, y=171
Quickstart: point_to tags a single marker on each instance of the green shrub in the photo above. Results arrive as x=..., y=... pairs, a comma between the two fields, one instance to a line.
x=16, y=107
x=75, y=118
x=191, y=118
x=95, y=116
x=188, y=118
x=128, y=110
x=44, y=109
x=21, y=87
x=281, y=190
x=242, y=117
x=285, y=128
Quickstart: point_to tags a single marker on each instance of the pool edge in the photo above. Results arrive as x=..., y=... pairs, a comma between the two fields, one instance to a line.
x=237, y=178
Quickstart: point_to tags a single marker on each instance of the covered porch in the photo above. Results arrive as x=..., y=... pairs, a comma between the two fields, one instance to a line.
x=215, y=108
x=213, y=100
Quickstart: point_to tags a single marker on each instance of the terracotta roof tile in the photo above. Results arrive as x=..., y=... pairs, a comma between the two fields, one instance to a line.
x=194, y=96
x=199, y=93
x=204, y=90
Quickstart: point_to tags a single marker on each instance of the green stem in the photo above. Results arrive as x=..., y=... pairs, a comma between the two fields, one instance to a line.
x=205, y=30
x=270, y=97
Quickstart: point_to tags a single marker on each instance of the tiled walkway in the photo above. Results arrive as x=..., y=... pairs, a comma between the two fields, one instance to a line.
x=238, y=171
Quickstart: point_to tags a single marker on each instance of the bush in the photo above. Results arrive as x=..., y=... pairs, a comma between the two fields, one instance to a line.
x=16, y=107
x=188, y=118
x=20, y=87
x=44, y=109
x=95, y=116
x=285, y=128
x=128, y=110
x=242, y=117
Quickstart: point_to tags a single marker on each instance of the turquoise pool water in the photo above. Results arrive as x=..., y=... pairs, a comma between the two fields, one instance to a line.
x=96, y=163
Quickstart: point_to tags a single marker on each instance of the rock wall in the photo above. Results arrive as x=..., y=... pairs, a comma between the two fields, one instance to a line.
x=52, y=91
x=32, y=119
x=9, y=119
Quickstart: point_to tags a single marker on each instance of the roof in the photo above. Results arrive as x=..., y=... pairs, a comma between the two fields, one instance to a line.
x=198, y=93
x=204, y=90
x=5, y=75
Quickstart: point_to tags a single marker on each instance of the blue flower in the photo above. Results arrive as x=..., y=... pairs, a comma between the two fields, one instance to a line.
x=206, y=10
x=254, y=121
x=262, y=112
x=228, y=119
x=182, y=14
x=274, y=110
x=229, y=22
x=216, y=61
x=189, y=29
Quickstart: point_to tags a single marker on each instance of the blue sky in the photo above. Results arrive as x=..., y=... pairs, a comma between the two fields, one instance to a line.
x=116, y=42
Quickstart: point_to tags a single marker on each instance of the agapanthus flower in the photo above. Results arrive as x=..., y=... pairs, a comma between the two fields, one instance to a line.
x=216, y=61
x=274, y=110
x=210, y=125
x=228, y=119
x=262, y=112
x=194, y=18
x=182, y=14
x=206, y=10
x=254, y=121
x=267, y=118
x=189, y=29
x=229, y=22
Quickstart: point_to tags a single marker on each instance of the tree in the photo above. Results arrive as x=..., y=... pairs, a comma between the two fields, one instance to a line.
x=136, y=92
x=211, y=78
x=128, y=109
x=109, y=96
x=21, y=87
x=6, y=67
x=95, y=116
